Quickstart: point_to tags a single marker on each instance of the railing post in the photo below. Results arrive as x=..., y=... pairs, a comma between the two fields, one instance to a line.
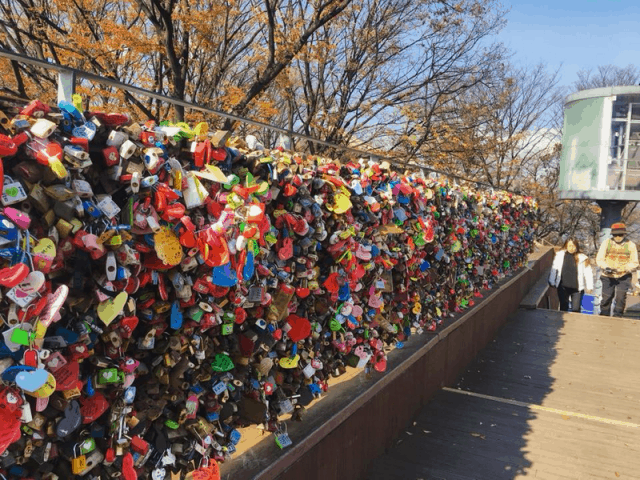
x=66, y=86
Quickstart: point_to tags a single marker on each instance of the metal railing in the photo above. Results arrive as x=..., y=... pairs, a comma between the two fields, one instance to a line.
x=67, y=77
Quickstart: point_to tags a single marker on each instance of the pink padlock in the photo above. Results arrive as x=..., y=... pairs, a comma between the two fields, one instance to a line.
x=19, y=218
x=95, y=249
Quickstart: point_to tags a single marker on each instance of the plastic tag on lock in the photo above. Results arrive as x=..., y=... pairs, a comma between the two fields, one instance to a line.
x=20, y=297
x=12, y=192
x=309, y=371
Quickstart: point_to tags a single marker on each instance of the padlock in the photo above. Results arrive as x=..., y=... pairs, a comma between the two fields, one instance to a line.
x=77, y=156
x=282, y=438
x=111, y=156
x=127, y=149
x=12, y=192
x=43, y=128
x=153, y=159
x=107, y=206
x=78, y=462
x=116, y=138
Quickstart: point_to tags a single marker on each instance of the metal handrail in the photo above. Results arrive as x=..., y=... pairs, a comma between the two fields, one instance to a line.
x=74, y=72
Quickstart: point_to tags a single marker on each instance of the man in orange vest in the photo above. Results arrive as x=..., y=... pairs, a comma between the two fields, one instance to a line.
x=617, y=259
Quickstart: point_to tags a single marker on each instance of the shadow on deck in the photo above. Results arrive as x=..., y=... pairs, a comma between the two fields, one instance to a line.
x=554, y=395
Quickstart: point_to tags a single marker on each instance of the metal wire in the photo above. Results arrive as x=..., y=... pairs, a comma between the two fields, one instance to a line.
x=175, y=101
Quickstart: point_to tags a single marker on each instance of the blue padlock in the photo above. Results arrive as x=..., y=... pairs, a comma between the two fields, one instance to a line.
x=91, y=209
x=87, y=130
x=176, y=317
x=69, y=336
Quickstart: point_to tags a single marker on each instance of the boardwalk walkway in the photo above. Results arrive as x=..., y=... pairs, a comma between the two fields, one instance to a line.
x=554, y=396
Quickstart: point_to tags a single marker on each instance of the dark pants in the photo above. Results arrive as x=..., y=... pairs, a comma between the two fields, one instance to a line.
x=576, y=298
x=620, y=287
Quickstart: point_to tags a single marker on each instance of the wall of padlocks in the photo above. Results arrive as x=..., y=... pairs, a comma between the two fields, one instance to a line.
x=163, y=285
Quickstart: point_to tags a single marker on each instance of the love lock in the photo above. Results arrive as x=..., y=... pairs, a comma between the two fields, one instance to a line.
x=234, y=286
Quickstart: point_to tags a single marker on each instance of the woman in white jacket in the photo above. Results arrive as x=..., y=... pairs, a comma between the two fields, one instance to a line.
x=571, y=273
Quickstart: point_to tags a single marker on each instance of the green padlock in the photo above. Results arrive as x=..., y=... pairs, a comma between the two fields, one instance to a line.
x=227, y=329
x=222, y=363
x=196, y=313
x=88, y=445
x=22, y=337
x=110, y=375
x=334, y=325
x=172, y=424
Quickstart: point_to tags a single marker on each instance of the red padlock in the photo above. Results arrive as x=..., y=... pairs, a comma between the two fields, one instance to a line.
x=36, y=109
x=201, y=285
x=138, y=445
x=111, y=120
x=111, y=156
x=80, y=142
x=173, y=212
x=128, y=325
x=148, y=139
x=200, y=153
x=77, y=241
x=79, y=352
x=19, y=139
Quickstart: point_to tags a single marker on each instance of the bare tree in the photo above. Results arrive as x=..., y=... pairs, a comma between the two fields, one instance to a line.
x=501, y=131
x=365, y=70
x=607, y=76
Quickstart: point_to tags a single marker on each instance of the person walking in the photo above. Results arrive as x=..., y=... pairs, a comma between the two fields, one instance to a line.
x=571, y=274
x=617, y=259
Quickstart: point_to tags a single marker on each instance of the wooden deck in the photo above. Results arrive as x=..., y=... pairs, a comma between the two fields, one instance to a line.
x=553, y=396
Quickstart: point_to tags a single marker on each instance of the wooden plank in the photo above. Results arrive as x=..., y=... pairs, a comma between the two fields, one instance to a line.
x=577, y=363
x=506, y=419
x=465, y=436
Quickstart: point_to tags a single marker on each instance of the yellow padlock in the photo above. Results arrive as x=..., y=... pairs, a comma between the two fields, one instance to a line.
x=114, y=241
x=64, y=228
x=79, y=463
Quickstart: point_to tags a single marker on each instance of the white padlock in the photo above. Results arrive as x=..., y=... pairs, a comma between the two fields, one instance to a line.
x=13, y=192
x=26, y=416
x=160, y=136
x=127, y=149
x=153, y=158
x=43, y=128
x=82, y=188
x=153, y=224
x=75, y=153
x=116, y=139
x=111, y=266
x=108, y=207
x=309, y=371
x=135, y=182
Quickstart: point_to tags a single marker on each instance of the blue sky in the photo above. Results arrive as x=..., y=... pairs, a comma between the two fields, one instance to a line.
x=575, y=33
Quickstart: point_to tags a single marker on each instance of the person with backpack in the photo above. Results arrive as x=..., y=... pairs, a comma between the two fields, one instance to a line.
x=571, y=274
x=617, y=259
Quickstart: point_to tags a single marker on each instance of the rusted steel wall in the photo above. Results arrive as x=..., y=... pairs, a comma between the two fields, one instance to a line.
x=344, y=446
